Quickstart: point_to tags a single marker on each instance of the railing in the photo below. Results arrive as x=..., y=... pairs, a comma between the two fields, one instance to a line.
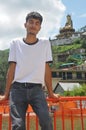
x=68, y=113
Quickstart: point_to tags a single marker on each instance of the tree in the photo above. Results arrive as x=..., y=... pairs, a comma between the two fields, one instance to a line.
x=83, y=42
x=77, y=91
x=72, y=59
x=3, y=69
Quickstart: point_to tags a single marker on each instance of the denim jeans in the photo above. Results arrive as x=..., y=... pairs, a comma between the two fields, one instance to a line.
x=20, y=97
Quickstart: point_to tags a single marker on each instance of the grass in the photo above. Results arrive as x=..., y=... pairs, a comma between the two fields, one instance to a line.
x=67, y=121
x=64, y=48
x=5, y=123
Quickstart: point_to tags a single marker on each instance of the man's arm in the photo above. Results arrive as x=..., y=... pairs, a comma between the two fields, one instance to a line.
x=48, y=81
x=9, y=79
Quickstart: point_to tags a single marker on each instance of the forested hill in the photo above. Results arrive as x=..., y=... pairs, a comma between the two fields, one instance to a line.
x=4, y=52
x=3, y=68
x=4, y=56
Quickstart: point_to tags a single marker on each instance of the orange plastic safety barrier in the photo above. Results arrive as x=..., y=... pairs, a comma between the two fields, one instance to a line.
x=68, y=113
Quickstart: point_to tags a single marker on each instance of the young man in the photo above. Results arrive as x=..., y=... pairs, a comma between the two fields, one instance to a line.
x=28, y=71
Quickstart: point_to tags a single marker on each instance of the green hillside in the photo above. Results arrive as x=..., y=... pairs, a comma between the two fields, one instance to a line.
x=3, y=68
x=64, y=48
x=76, y=52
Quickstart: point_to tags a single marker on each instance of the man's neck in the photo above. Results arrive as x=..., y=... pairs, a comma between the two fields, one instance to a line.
x=30, y=39
x=30, y=42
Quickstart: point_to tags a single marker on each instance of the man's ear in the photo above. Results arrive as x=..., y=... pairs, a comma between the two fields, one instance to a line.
x=39, y=28
x=25, y=25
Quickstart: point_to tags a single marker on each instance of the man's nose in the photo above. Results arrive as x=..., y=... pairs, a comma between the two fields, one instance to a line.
x=34, y=24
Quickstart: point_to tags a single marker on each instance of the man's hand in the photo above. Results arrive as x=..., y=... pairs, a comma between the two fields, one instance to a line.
x=3, y=98
x=53, y=95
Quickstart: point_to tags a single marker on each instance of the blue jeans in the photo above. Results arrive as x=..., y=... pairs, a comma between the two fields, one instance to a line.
x=20, y=97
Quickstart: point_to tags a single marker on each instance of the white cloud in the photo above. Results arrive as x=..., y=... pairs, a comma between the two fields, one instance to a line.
x=83, y=15
x=4, y=44
x=4, y=19
x=12, y=18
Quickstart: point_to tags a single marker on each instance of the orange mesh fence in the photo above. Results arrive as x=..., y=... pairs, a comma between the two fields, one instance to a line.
x=68, y=113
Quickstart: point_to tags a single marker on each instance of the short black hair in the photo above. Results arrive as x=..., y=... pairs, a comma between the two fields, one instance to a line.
x=34, y=15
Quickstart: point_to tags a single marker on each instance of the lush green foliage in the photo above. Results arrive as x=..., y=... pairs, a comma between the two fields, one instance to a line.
x=3, y=69
x=83, y=42
x=71, y=50
x=63, y=48
x=77, y=91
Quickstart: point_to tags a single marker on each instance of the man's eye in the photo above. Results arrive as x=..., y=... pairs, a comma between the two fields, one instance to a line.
x=31, y=22
x=37, y=23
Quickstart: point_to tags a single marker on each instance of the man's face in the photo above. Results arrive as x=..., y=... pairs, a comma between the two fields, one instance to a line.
x=33, y=26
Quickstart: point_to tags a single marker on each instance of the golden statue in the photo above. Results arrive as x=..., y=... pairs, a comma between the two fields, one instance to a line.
x=69, y=23
x=67, y=30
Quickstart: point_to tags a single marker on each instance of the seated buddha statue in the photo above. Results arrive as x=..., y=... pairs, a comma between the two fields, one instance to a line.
x=69, y=23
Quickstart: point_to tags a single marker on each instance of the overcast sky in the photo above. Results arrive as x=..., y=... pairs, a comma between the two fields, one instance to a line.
x=13, y=13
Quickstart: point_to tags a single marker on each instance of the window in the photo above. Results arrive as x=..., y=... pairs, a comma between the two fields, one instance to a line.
x=60, y=74
x=69, y=75
x=79, y=75
x=64, y=76
x=54, y=74
x=85, y=75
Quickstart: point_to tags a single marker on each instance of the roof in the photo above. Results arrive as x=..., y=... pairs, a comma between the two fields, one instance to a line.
x=68, y=86
x=84, y=33
x=68, y=64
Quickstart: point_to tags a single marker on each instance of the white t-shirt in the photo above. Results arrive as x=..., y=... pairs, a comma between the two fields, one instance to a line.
x=30, y=60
